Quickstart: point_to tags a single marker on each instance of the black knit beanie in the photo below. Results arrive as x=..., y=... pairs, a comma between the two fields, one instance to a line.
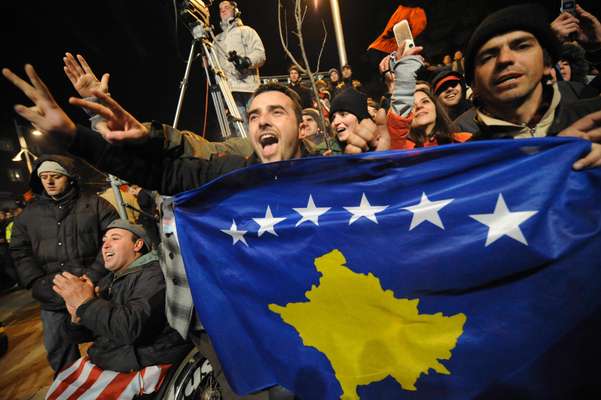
x=352, y=101
x=525, y=17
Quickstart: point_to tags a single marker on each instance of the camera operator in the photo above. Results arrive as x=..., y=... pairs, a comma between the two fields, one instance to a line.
x=241, y=54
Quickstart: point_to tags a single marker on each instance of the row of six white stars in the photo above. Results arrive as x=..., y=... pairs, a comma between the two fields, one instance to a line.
x=501, y=222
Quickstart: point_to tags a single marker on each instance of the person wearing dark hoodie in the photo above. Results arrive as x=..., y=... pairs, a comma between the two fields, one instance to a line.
x=124, y=317
x=60, y=231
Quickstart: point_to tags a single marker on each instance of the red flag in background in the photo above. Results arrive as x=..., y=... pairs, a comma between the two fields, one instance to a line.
x=416, y=16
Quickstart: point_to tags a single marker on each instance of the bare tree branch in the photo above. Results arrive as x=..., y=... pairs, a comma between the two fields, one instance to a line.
x=299, y=31
x=323, y=44
x=304, y=14
x=284, y=45
x=299, y=17
x=286, y=25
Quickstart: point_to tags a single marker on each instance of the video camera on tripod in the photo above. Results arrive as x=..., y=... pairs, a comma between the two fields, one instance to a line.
x=194, y=12
x=195, y=15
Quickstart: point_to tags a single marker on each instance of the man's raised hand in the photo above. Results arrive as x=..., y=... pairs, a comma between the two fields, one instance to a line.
x=82, y=77
x=369, y=135
x=120, y=126
x=584, y=25
x=589, y=128
x=45, y=114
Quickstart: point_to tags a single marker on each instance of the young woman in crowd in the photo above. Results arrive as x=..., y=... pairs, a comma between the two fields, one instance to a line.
x=415, y=118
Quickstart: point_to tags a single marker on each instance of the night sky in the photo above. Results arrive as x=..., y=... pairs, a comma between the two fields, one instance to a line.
x=137, y=43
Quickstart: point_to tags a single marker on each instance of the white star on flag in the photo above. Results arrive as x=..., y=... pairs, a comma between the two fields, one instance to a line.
x=268, y=223
x=504, y=222
x=237, y=236
x=427, y=210
x=311, y=212
x=365, y=210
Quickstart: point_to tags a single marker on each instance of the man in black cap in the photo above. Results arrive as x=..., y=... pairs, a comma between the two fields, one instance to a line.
x=504, y=63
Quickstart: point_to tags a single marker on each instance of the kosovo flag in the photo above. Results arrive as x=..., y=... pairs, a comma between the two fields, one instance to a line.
x=453, y=272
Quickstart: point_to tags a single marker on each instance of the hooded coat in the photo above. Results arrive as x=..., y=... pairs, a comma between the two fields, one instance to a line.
x=52, y=236
x=245, y=41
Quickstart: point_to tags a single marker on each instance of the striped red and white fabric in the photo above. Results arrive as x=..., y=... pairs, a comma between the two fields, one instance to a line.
x=84, y=380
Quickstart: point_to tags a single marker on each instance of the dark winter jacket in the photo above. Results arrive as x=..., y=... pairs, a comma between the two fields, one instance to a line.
x=52, y=236
x=127, y=320
x=566, y=113
x=305, y=94
x=154, y=165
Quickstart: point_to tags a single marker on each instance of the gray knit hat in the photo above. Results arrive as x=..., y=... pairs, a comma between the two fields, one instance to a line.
x=137, y=230
x=52, y=166
x=312, y=112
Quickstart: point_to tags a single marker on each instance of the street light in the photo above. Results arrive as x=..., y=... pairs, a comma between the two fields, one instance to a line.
x=337, y=30
x=36, y=132
x=339, y=33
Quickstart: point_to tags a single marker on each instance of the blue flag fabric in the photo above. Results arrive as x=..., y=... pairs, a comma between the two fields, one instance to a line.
x=460, y=271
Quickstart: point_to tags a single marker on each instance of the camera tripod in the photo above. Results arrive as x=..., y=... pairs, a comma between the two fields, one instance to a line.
x=221, y=93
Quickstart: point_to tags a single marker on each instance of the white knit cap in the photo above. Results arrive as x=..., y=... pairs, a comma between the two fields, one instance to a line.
x=52, y=166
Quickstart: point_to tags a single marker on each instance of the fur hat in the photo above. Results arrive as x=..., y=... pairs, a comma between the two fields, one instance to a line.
x=531, y=18
x=352, y=101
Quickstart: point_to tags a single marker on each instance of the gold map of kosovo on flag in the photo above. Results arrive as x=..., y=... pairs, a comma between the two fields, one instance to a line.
x=371, y=334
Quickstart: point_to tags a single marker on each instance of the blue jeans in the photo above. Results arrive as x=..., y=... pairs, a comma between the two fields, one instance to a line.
x=61, y=352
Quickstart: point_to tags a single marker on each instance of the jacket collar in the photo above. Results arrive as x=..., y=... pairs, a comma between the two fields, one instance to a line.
x=522, y=130
x=69, y=195
x=227, y=25
x=137, y=265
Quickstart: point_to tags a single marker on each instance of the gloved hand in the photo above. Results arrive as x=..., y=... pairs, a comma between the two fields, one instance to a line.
x=240, y=63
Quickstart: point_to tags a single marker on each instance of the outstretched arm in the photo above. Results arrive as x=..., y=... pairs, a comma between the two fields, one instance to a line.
x=120, y=125
x=82, y=77
x=45, y=114
x=404, y=64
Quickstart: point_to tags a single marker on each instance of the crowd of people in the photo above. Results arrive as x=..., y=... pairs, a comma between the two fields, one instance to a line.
x=98, y=278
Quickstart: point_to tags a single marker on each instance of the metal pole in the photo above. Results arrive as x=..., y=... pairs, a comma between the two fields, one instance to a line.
x=339, y=33
x=184, y=84
x=118, y=197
